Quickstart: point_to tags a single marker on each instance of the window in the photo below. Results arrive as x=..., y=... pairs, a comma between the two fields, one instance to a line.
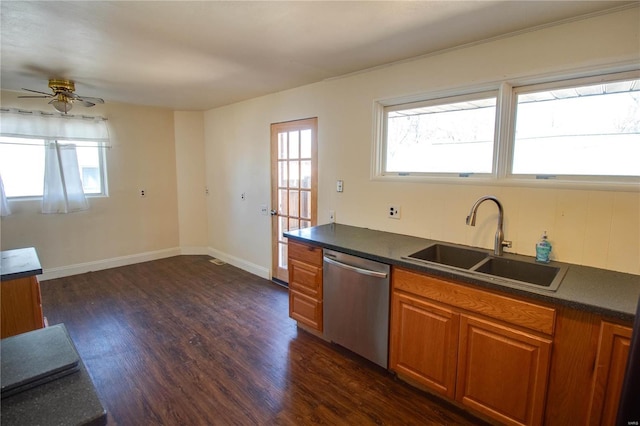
x=574, y=131
x=451, y=135
x=22, y=166
x=587, y=130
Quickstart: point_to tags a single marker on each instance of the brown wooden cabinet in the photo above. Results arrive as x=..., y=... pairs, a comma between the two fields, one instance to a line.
x=488, y=351
x=21, y=306
x=611, y=362
x=502, y=371
x=305, y=284
x=424, y=342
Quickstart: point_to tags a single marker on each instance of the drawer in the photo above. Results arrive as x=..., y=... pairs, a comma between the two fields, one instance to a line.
x=305, y=278
x=514, y=311
x=305, y=253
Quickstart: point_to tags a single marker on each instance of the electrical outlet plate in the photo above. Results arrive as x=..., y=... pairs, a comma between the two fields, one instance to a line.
x=332, y=216
x=143, y=193
x=393, y=211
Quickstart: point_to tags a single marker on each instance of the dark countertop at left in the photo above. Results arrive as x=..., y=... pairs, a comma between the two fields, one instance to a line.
x=68, y=400
x=19, y=263
x=609, y=293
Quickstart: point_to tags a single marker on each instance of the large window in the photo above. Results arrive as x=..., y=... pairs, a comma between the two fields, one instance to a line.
x=580, y=130
x=454, y=135
x=22, y=166
x=587, y=130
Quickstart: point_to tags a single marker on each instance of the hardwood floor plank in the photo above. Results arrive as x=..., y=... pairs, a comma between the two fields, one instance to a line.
x=181, y=341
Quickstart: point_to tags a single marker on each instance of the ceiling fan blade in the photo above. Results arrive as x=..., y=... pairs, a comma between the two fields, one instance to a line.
x=37, y=91
x=90, y=100
x=39, y=97
x=87, y=103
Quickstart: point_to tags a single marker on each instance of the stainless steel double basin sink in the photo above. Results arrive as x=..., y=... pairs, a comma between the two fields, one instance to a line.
x=484, y=266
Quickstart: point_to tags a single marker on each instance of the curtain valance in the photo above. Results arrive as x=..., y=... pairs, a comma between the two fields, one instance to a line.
x=44, y=125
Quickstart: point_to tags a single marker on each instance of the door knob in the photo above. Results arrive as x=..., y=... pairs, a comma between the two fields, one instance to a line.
x=274, y=212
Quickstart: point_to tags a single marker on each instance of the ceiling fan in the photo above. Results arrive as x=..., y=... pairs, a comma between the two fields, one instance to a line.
x=63, y=96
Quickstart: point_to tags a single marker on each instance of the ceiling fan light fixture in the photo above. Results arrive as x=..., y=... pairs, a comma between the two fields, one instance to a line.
x=62, y=104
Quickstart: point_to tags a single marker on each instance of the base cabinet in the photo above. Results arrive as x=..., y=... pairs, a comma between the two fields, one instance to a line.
x=502, y=371
x=21, y=306
x=305, y=284
x=489, y=352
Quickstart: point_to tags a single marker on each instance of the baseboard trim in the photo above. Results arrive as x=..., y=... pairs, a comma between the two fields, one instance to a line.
x=98, y=265
x=241, y=263
x=81, y=268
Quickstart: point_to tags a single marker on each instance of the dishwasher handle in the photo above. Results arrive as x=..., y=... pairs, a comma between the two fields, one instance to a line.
x=355, y=268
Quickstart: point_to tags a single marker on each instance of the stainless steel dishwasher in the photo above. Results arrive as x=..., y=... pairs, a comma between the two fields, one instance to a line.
x=356, y=304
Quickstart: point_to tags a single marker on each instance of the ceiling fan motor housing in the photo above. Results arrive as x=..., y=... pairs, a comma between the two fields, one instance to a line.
x=61, y=85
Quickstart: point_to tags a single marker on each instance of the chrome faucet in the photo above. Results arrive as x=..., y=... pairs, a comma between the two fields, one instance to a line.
x=499, y=240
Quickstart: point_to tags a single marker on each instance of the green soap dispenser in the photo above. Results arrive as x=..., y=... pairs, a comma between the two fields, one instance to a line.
x=543, y=249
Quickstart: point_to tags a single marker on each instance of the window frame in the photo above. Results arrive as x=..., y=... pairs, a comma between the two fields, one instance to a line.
x=102, y=164
x=504, y=143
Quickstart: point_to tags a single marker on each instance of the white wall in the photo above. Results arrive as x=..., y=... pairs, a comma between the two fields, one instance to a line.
x=190, y=165
x=119, y=229
x=597, y=228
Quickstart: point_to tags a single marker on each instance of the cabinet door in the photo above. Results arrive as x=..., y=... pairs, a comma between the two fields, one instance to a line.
x=21, y=306
x=424, y=340
x=502, y=372
x=611, y=362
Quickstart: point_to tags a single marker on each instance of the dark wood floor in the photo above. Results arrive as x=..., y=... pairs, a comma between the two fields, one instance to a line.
x=182, y=341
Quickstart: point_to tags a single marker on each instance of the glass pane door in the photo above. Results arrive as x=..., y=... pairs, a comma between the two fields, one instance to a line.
x=294, y=184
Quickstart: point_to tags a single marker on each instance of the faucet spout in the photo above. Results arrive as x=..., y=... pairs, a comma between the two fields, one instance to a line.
x=499, y=242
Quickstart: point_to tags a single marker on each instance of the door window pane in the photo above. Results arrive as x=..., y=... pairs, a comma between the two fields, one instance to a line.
x=305, y=204
x=294, y=174
x=305, y=174
x=294, y=224
x=283, y=202
x=305, y=224
x=282, y=146
x=294, y=144
x=282, y=173
x=282, y=227
x=294, y=200
x=282, y=255
x=305, y=144
x=588, y=130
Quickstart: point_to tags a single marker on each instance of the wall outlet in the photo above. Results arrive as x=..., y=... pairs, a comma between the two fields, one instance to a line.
x=393, y=212
x=339, y=186
x=243, y=196
x=332, y=216
x=143, y=193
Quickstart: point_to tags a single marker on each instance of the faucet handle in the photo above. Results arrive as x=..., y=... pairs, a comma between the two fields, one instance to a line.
x=506, y=244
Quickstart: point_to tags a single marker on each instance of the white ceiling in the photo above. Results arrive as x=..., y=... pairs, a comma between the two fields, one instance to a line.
x=197, y=55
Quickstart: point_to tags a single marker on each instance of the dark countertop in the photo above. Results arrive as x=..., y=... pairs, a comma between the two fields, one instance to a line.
x=610, y=293
x=19, y=263
x=67, y=400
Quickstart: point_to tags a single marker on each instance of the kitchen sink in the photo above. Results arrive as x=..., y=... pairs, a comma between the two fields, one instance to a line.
x=529, y=273
x=481, y=265
x=459, y=257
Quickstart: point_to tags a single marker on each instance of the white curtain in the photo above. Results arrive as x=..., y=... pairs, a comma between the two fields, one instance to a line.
x=52, y=126
x=63, y=192
x=4, y=205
